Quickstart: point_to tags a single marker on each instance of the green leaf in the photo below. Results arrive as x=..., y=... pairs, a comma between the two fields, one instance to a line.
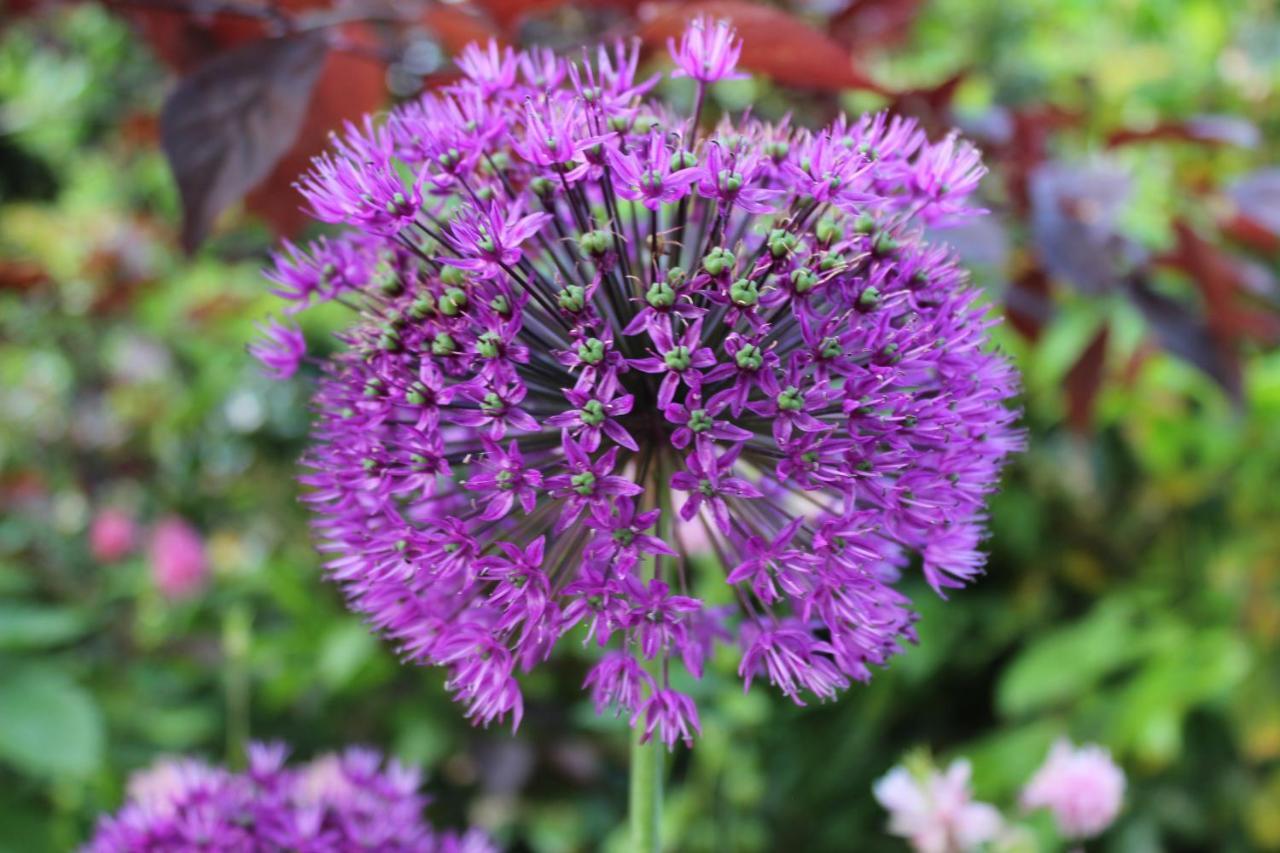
x=29, y=626
x=1064, y=664
x=344, y=652
x=49, y=725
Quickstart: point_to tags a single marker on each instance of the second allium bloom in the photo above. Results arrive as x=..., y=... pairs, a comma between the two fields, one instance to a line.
x=591, y=336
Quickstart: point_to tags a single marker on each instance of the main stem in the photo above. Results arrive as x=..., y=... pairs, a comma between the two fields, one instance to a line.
x=648, y=763
x=647, y=768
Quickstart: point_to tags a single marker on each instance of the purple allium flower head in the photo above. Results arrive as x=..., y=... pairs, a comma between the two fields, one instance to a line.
x=587, y=323
x=347, y=801
x=1082, y=786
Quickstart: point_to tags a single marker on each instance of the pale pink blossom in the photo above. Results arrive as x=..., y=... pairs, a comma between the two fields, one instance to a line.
x=179, y=565
x=1082, y=786
x=112, y=535
x=937, y=813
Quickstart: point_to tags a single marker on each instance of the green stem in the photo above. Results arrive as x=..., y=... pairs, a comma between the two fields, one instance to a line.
x=647, y=768
x=237, y=636
x=648, y=762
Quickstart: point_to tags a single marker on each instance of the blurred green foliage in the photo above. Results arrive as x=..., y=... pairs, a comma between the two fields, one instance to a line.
x=1134, y=589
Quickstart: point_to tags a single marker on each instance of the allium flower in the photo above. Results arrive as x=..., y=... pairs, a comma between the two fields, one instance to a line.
x=708, y=51
x=179, y=565
x=587, y=321
x=112, y=535
x=280, y=349
x=350, y=801
x=1082, y=786
x=936, y=813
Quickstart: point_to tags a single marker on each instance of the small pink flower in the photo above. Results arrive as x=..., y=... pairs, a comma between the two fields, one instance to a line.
x=937, y=813
x=112, y=535
x=179, y=566
x=1082, y=787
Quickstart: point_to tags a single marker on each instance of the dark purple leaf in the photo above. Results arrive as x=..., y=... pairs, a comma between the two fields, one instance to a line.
x=228, y=122
x=1257, y=197
x=1187, y=336
x=1074, y=209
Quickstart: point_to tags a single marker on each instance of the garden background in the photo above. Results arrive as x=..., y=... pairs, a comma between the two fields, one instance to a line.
x=1133, y=592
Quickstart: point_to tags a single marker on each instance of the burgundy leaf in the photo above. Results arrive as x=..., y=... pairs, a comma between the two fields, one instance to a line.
x=875, y=24
x=1208, y=129
x=1185, y=335
x=774, y=43
x=1084, y=379
x=230, y=121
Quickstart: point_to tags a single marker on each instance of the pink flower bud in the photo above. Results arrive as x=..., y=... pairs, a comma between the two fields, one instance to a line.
x=1082, y=787
x=179, y=566
x=112, y=535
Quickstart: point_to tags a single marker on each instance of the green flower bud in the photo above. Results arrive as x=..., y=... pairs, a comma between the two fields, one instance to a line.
x=591, y=351
x=443, y=344
x=749, y=357
x=660, y=295
x=781, y=243
x=592, y=413
x=453, y=277
x=828, y=231
x=717, y=261
x=700, y=421
x=791, y=400
x=584, y=483
x=542, y=187
x=678, y=359
x=683, y=160
x=500, y=305
x=572, y=299
x=488, y=345
x=453, y=301
x=803, y=279
x=864, y=224
x=593, y=244
x=869, y=299
x=884, y=244
x=744, y=293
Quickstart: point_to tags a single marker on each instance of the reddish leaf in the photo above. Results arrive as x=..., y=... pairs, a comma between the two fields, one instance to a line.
x=454, y=27
x=1221, y=281
x=227, y=124
x=508, y=15
x=349, y=86
x=875, y=24
x=773, y=43
x=1027, y=303
x=1185, y=335
x=20, y=275
x=1083, y=381
x=1208, y=129
x=930, y=104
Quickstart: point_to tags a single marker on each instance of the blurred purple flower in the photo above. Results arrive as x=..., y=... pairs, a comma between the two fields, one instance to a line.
x=113, y=535
x=348, y=801
x=1082, y=786
x=179, y=565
